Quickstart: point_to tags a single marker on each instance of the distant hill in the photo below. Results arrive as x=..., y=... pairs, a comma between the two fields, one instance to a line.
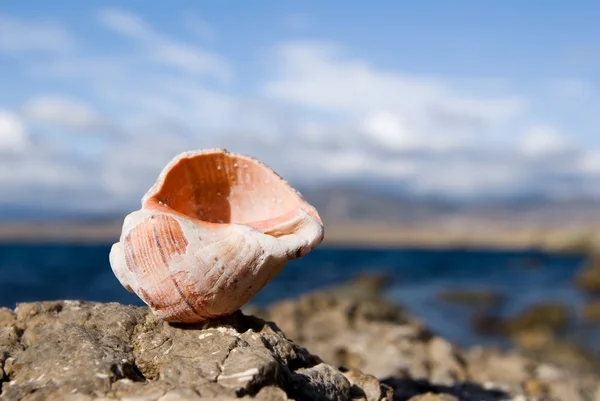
x=354, y=203
x=358, y=203
x=357, y=216
x=15, y=213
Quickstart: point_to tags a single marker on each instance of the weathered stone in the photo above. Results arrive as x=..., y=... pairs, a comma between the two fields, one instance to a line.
x=367, y=387
x=447, y=367
x=434, y=397
x=271, y=393
x=591, y=311
x=320, y=382
x=368, y=350
x=588, y=279
x=247, y=368
x=9, y=336
x=89, y=351
x=535, y=388
x=371, y=336
x=553, y=316
x=7, y=317
x=492, y=366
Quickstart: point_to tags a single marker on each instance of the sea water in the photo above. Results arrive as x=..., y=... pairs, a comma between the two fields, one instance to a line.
x=35, y=272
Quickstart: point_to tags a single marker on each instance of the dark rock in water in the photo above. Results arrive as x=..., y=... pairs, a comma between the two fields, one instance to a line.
x=85, y=351
x=362, y=286
x=553, y=316
x=588, y=278
x=537, y=337
x=591, y=311
x=381, y=339
x=534, y=339
x=488, y=324
x=472, y=297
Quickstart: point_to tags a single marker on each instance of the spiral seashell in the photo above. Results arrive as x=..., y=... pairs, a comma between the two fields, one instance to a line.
x=212, y=231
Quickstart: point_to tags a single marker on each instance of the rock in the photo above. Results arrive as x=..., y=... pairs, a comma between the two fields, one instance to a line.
x=533, y=327
x=434, y=397
x=552, y=316
x=371, y=335
x=488, y=324
x=591, y=311
x=72, y=350
x=565, y=354
x=534, y=339
x=6, y=317
x=471, y=297
x=588, y=278
x=369, y=349
x=377, y=338
x=508, y=370
x=535, y=388
x=447, y=367
x=367, y=387
x=320, y=382
x=362, y=286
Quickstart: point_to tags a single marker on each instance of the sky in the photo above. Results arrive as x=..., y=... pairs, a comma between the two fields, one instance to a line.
x=463, y=99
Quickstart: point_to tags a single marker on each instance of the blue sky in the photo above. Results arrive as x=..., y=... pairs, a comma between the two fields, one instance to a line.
x=463, y=98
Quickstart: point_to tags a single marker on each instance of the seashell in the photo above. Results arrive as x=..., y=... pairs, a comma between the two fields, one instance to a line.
x=212, y=231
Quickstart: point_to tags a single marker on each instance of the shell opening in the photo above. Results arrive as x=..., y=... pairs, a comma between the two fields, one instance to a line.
x=227, y=188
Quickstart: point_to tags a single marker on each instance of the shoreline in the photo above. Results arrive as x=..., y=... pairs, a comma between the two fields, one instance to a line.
x=445, y=234
x=311, y=339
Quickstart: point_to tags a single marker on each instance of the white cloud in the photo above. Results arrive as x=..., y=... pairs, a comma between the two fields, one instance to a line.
x=397, y=111
x=389, y=130
x=31, y=36
x=427, y=134
x=63, y=111
x=125, y=23
x=320, y=76
x=184, y=57
x=540, y=140
x=321, y=115
x=589, y=162
x=13, y=134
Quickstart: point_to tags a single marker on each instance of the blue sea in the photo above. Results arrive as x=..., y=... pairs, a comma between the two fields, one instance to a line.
x=34, y=272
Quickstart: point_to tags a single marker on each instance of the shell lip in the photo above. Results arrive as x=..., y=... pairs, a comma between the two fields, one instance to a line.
x=265, y=226
x=149, y=200
x=189, y=154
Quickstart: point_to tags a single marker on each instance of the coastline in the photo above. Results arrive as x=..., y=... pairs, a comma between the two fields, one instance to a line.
x=578, y=237
x=344, y=343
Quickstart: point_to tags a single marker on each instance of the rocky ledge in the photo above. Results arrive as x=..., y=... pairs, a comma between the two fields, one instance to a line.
x=351, y=327
x=367, y=349
x=73, y=350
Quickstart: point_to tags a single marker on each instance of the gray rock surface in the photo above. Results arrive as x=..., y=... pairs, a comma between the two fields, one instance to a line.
x=371, y=335
x=368, y=349
x=87, y=351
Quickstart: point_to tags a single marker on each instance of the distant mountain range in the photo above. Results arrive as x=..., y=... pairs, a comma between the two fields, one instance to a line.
x=360, y=203
x=351, y=204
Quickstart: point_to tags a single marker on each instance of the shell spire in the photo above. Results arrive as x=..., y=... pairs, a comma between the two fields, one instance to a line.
x=212, y=231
